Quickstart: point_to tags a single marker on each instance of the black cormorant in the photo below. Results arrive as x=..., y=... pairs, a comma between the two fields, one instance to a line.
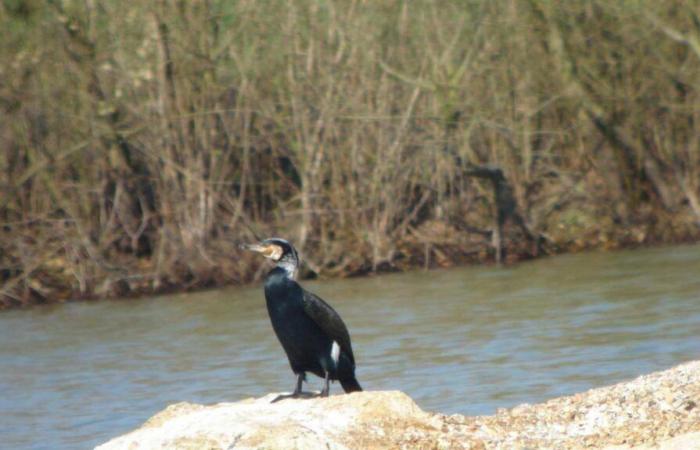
x=312, y=334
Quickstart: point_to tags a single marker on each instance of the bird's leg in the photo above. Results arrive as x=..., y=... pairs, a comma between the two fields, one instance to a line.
x=300, y=380
x=326, y=388
x=297, y=390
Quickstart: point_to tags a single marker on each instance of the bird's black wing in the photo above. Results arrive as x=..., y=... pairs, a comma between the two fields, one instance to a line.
x=329, y=321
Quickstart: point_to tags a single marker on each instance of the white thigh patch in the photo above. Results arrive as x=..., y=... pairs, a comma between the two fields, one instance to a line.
x=335, y=352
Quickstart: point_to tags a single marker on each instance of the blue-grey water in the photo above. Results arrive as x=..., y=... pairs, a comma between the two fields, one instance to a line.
x=465, y=340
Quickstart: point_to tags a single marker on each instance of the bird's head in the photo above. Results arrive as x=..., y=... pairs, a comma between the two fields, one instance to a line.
x=278, y=250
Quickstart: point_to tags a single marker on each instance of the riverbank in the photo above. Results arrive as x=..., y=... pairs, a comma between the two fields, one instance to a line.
x=660, y=410
x=53, y=281
x=142, y=142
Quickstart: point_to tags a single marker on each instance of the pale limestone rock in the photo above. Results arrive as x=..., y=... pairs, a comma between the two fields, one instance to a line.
x=337, y=422
x=657, y=411
x=688, y=441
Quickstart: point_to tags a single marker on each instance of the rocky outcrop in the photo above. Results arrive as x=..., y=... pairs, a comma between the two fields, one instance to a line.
x=657, y=411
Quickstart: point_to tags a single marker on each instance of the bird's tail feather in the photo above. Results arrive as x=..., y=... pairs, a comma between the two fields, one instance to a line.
x=350, y=385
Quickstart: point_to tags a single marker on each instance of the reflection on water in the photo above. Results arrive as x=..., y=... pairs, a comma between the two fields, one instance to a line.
x=465, y=340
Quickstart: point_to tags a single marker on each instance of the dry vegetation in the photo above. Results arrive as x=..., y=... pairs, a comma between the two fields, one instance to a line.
x=142, y=140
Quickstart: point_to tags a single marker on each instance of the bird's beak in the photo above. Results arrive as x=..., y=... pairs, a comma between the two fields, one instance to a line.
x=271, y=251
x=253, y=247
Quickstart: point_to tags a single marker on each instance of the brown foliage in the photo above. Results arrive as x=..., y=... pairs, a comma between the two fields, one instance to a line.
x=141, y=140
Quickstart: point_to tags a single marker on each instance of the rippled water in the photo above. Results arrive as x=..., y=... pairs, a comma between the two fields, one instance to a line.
x=466, y=340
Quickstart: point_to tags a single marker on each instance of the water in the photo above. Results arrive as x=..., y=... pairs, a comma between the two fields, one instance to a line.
x=466, y=340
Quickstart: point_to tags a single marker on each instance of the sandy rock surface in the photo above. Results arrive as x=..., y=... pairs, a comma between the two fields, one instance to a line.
x=656, y=411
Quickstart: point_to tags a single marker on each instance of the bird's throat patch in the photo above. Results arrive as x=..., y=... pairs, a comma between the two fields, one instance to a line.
x=273, y=252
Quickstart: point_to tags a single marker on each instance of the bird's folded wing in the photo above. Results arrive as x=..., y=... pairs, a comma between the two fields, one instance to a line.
x=329, y=321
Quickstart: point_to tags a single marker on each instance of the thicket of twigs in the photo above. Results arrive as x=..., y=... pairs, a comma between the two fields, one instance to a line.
x=140, y=141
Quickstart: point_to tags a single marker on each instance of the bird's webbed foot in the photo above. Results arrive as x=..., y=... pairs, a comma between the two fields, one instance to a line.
x=285, y=396
x=298, y=393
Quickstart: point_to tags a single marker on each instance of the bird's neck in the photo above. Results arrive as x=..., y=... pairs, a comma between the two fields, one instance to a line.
x=287, y=268
x=278, y=284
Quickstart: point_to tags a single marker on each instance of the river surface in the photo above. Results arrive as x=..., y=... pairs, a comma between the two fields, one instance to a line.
x=466, y=340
